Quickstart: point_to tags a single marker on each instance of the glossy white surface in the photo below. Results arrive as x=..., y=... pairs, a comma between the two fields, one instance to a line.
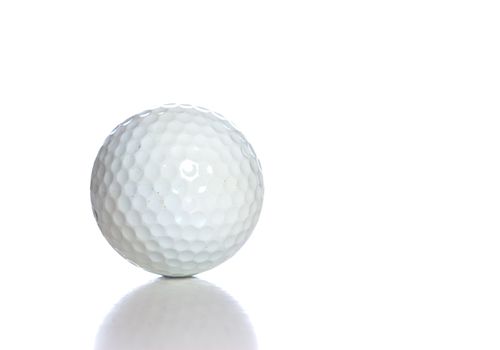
x=377, y=124
x=181, y=314
x=176, y=190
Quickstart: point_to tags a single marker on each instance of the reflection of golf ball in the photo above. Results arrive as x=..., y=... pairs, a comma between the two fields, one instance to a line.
x=187, y=314
x=176, y=190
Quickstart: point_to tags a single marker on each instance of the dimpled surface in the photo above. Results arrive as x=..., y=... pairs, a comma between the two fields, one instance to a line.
x=176, y=190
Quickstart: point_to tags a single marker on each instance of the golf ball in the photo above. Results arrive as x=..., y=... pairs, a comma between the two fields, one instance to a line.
x=176, y=190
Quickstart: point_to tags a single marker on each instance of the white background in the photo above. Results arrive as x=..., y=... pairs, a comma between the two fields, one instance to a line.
x=377, y=126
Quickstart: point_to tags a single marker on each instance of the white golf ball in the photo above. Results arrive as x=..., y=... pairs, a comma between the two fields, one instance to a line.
x=176, y=190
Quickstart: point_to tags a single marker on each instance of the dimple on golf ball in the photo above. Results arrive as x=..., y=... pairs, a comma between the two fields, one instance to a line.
x=176, y=190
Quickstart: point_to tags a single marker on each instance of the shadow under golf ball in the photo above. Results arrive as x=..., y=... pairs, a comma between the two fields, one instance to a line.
x=176, y=314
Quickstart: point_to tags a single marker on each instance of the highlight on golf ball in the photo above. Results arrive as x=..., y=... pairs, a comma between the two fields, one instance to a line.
x=176, y=190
